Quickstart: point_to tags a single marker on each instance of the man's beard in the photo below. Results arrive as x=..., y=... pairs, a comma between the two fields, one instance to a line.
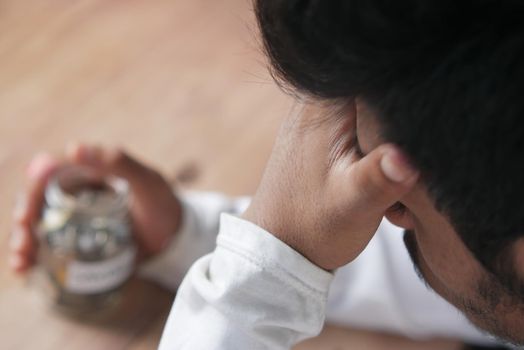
x=411, y=245
x=481, y=317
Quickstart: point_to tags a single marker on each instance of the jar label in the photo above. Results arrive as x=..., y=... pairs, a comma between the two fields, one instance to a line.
x=97, y=277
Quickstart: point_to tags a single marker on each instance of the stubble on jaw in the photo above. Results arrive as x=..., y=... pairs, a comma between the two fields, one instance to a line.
x=480, y=312
x=411, y=245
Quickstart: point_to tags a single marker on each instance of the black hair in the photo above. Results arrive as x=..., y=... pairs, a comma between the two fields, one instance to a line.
x=446, y=79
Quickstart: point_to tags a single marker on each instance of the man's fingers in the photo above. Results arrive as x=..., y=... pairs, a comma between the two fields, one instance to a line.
x=29, y=205
x=21, y=240
x=381, y=178
x=22, y=244
x=21, y=249
x=18, y=263
x=113, y=162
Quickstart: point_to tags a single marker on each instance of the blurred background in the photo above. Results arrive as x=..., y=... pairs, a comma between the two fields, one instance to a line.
x=181, y=84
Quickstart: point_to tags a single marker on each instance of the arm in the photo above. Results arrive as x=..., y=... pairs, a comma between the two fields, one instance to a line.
x=265, y=285
x=253, y=292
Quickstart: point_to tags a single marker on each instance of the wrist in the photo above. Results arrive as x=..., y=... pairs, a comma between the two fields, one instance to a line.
x=155, y=241
x=174, y=230
x=290, y=234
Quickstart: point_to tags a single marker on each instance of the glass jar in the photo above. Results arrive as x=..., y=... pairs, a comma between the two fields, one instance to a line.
x=86, y=251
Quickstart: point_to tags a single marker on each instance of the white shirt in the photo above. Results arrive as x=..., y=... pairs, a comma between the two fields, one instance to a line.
x=255, y=292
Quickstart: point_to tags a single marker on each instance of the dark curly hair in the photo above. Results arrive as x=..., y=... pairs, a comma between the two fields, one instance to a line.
x=446, y=78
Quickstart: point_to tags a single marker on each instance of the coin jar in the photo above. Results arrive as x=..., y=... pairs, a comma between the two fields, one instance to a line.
x=86, y=251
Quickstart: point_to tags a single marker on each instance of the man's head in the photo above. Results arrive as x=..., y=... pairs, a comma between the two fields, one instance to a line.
x=443, y=80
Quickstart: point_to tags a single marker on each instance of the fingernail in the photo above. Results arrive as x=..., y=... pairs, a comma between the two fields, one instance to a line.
x=19, y=212
x=40, y=165
x=16, y=242
x=88, y=154
x=15, y=262
x=396, y=167
x=18, y=263
x=71, y=149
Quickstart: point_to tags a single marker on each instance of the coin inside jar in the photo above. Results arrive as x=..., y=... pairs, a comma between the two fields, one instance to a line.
x=86, y=251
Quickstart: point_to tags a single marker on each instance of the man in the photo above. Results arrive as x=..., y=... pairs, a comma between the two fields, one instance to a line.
x=439, y=79
x=410, y=110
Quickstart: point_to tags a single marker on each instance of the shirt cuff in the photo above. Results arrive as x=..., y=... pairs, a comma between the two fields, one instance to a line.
x=272, y=254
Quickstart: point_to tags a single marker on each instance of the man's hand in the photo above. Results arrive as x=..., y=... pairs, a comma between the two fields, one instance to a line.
x=155, y=210
x=317, y=194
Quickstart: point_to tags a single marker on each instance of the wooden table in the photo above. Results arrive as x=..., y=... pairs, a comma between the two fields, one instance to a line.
x=181, y=84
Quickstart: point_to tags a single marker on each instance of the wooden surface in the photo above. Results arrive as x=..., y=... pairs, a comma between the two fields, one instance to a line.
x=181, y=84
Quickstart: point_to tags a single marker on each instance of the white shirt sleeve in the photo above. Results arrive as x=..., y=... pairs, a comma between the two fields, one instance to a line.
x=253, y=292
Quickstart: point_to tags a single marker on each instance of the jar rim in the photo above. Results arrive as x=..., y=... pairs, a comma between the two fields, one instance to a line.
x=57, y=196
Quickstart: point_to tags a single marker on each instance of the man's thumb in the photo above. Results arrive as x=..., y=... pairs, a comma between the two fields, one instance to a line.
x=382, y=177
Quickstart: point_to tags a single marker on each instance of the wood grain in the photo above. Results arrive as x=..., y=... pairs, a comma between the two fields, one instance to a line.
x=181, y=84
